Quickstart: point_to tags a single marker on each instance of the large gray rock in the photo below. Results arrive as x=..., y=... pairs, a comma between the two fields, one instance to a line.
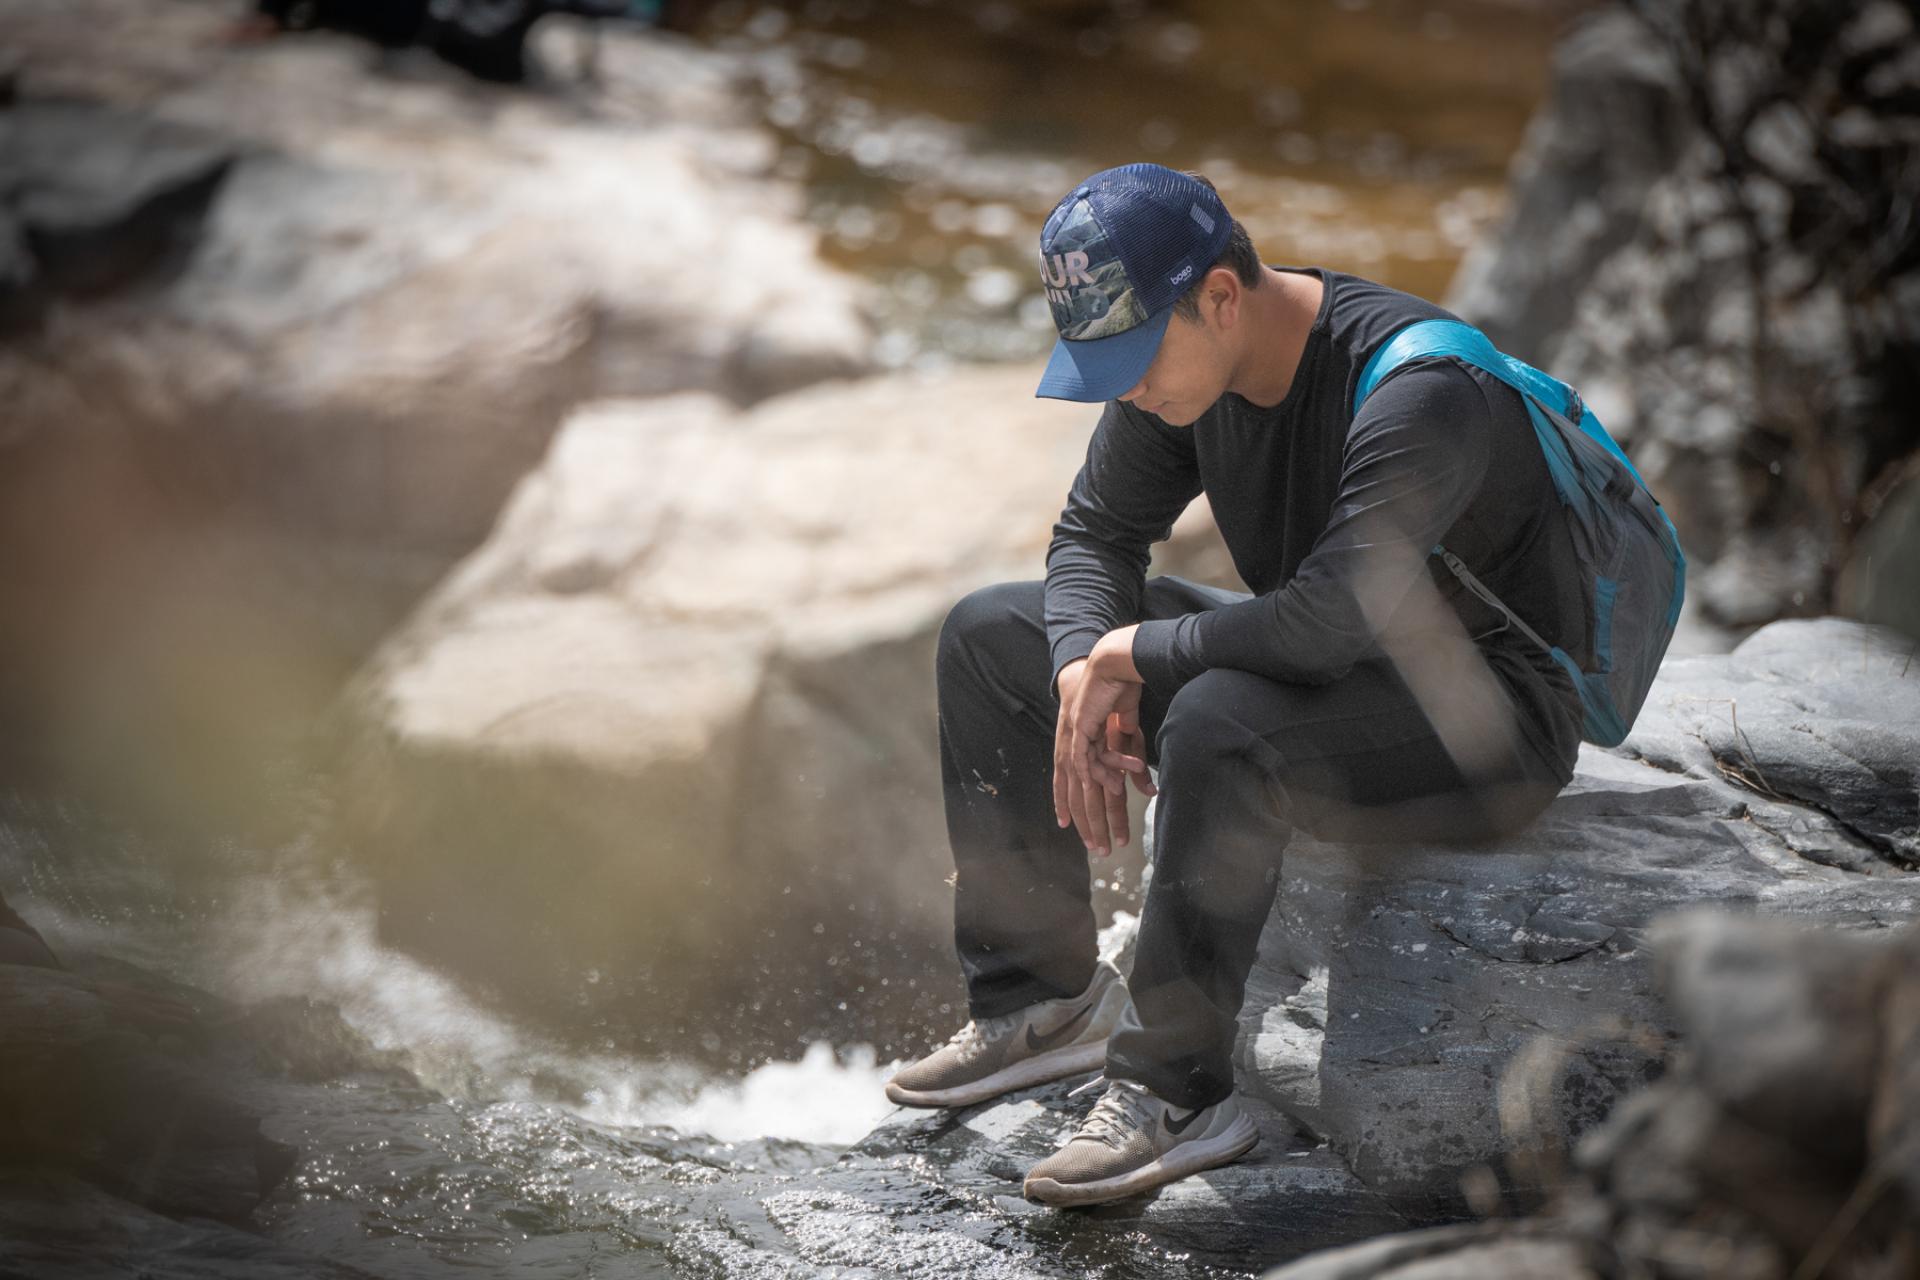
x=1434, y=1011
x=1708, y=237
x=1611, y=128
x=1430, y=1031
x=398, y=294
x=692, y=667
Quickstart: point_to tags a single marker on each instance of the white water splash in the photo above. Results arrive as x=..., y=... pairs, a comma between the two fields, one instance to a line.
x=292, y=937
x=825, y=1097
x=289, y=926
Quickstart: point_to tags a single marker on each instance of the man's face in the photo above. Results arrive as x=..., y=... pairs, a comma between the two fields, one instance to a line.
x=1188, y=373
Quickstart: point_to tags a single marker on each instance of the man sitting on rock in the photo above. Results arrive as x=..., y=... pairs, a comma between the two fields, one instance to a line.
x=1359, y=693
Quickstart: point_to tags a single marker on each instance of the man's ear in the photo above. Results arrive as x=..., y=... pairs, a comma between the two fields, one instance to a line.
x=1220, y=293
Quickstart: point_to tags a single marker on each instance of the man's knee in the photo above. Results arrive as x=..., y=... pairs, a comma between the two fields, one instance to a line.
x=987, y=618
x=1206, y=716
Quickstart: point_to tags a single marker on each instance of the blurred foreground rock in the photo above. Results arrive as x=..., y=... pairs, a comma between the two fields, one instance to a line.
x=1431, y=1030
x=60, y=1228
x=297, y=318
x=676, y=715
x=1783, y=1141
x=98, y=1079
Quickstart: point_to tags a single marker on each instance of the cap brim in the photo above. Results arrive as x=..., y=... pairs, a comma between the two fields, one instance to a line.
x=1102, y=368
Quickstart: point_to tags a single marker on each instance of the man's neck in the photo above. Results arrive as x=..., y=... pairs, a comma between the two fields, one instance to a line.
x=1279, y=316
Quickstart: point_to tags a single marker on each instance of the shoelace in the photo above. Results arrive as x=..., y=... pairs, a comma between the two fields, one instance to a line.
x=1124, y=1110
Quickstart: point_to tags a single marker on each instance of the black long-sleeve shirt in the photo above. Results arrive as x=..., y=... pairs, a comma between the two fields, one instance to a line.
x=1329, y=517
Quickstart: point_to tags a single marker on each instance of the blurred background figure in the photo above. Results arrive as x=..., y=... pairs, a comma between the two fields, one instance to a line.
x=485, y=37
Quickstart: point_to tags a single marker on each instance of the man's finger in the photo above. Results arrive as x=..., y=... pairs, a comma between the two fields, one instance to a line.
x=1092, y=797
x=1137, y=744
x=1090, y=717
x=1076, y=803
x=1116, y=742
x=1062, y=768
x=1117, y=816
x=1084, y=804
x=1061, y=813
x=1116, y=797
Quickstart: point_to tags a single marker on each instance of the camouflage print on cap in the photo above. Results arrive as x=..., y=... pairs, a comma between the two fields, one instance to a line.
x=1087, y=287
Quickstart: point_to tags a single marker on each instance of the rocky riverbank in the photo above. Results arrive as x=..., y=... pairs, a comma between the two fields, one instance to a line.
x=291, y=321
x=1430, y=1031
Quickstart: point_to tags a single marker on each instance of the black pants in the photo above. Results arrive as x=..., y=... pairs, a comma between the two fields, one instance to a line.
x=1242, y=760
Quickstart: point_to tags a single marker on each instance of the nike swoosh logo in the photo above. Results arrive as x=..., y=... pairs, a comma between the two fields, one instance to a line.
x=1040, y=1044
x=1178, y=1127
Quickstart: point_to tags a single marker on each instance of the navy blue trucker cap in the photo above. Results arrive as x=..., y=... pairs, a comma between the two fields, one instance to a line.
x=1115, y=255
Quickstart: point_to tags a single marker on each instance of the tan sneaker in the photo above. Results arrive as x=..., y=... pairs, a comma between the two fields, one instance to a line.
x=1134, y=1141
x=1050, y=1040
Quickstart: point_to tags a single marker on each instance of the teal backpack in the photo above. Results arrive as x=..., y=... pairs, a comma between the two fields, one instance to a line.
x=1632, y=572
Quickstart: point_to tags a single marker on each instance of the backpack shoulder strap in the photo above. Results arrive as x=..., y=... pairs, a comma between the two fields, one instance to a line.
x=1463, y=342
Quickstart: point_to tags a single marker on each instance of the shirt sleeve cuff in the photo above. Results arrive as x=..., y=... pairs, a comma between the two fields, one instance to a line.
x=1161, y=654
x=1070, y=649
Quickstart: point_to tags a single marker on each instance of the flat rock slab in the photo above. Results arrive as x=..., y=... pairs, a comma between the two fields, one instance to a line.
x=1435, y=1010
x=936, y=1193
x=1450, y=1016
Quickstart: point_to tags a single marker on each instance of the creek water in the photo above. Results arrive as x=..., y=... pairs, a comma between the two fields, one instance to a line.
x=441, y=1137
x=934, y=136
x=444, y=1133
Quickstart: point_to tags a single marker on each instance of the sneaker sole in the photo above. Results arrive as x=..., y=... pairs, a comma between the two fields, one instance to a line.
x=1183, y=1161
x=1075, y=1059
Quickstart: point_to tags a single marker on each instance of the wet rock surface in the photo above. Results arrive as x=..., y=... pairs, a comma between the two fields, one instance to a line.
x=398, y=1180
x=59, y=1227
x=1290, y=1194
